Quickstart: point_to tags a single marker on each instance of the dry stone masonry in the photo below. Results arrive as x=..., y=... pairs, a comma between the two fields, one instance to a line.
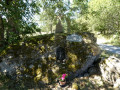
x=110, y=69
x=42, y=59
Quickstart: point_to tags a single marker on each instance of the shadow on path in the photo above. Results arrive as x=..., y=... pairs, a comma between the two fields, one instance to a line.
x=113, y=49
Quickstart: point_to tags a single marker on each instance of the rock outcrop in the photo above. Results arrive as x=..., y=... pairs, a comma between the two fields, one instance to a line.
x=38, y=58
x=110, y=70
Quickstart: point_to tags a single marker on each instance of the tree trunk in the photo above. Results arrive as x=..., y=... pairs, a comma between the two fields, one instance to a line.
x=11, y=25
x=51, y=28
x=68, y=24
x=1, y=29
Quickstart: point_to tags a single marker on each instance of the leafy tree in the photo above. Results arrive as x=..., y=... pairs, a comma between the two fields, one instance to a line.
x=17, y=16
x=104, y=16
x=1, y=29
x=56, y=10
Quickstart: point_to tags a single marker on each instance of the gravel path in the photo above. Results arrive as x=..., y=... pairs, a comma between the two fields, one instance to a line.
x=113, y=49
x=110, y=48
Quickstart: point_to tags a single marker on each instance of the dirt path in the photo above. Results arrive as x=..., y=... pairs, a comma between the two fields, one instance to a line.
x=107, y=47
x=113, y=49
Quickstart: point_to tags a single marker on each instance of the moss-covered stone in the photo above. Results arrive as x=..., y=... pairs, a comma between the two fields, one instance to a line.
x=40, y=52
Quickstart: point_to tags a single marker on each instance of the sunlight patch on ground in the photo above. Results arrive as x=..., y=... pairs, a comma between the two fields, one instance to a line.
x=101, y=40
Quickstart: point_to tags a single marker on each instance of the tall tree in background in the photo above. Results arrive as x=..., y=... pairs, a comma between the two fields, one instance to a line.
x=16, y=17
x=104, y=16
x=58, y=10
x=80, y=23
x=11, y=19
x=1, y=27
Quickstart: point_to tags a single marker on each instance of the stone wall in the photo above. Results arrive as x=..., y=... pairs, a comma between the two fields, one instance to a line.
x=35, y=58
x=110, y=69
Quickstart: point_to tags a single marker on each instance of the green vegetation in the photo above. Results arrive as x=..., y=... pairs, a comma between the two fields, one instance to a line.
x=111, y=39
x=36, y=48
x=114, y=41
x=18, y=18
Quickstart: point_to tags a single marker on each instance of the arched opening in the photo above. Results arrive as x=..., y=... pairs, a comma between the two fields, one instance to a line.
x=60, y=54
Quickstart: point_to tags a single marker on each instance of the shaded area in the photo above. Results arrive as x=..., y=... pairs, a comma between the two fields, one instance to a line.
x=35, y=59
x=92, y=82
